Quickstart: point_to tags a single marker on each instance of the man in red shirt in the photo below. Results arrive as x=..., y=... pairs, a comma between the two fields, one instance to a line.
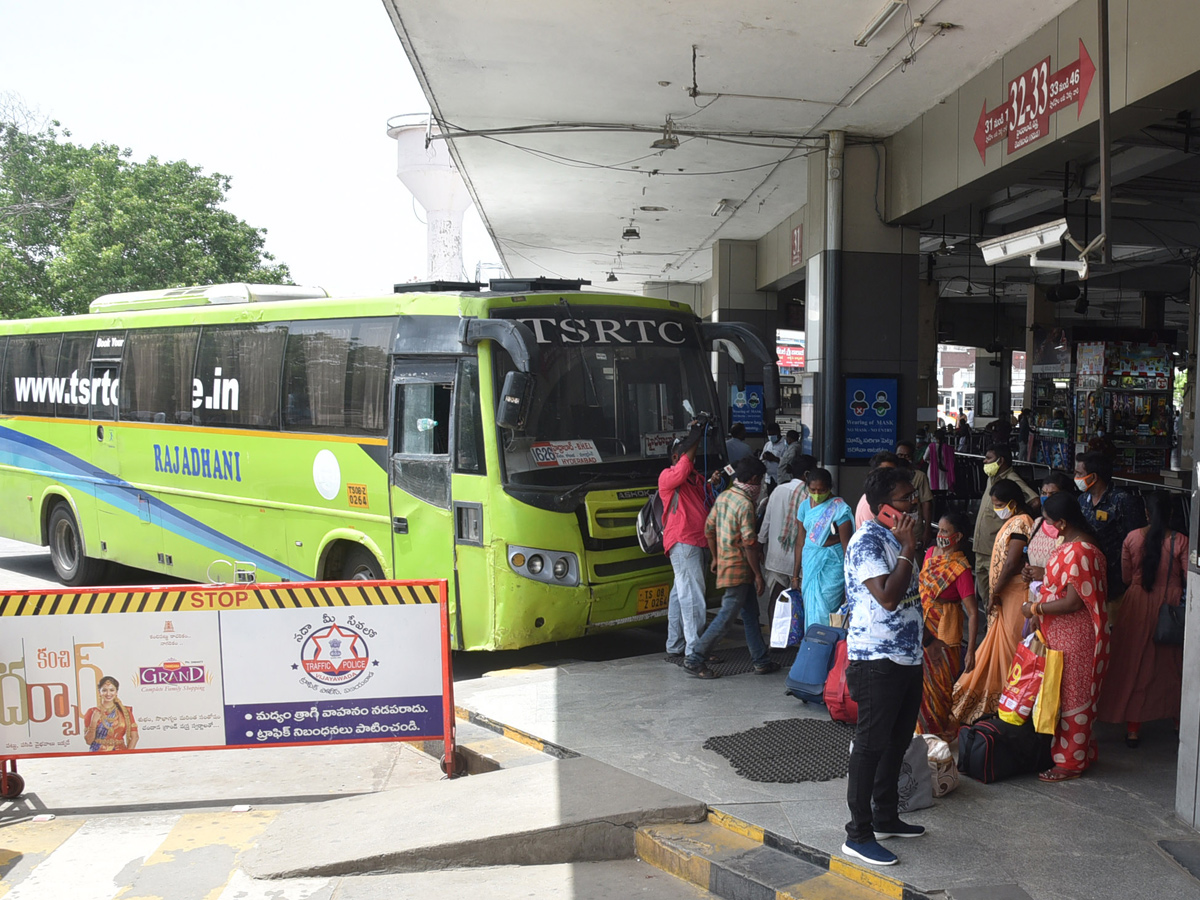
x=681, y=489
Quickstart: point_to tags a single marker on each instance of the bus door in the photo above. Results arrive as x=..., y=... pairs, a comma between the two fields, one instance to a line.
x=419, y=473
x=126, y=533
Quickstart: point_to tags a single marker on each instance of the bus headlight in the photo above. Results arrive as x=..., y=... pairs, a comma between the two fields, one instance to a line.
x=547, y=566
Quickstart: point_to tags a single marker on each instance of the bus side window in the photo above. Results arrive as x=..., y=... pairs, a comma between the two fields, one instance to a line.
x=468, y=438
x=423, y=419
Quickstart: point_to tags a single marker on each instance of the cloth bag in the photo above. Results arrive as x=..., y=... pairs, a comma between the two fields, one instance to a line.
x=1024, y=681
x=781, y=621
x=916, y=776
x=942, y=769
x=1172, y=620
x=1045, y=709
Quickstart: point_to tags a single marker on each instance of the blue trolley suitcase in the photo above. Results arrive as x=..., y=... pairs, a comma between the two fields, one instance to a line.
x=814, y=659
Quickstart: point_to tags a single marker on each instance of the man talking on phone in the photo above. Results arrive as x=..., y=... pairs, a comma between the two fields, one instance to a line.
x=884, y=673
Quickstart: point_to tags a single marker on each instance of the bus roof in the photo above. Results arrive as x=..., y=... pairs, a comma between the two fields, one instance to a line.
x=203, y=295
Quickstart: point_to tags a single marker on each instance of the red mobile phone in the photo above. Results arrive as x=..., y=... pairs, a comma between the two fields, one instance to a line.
x=889, y=516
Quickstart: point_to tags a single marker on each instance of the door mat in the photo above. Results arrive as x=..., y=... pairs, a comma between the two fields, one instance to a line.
x=788, y=751
x=737, y=661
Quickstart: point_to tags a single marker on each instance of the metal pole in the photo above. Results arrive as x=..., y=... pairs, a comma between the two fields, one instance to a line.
x=1105, y=137
x=831, y=373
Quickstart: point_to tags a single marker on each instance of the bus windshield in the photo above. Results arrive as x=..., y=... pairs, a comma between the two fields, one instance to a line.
x=608, y=396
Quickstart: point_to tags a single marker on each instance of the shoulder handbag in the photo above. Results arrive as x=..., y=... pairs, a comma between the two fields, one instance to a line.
x=1171, y=619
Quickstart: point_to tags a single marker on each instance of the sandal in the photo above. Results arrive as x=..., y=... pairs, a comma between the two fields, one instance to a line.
x=1132, y=739
x=1057, y=774
x=767, y=668
x=702, y=672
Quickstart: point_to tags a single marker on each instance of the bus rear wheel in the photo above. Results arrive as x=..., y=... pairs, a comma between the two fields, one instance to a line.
x=360, y=565
x=71, y=564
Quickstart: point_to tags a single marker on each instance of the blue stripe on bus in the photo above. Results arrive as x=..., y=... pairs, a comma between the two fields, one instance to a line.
x=22, y=451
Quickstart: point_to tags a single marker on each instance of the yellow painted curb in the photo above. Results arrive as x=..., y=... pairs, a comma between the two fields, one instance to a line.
x=881, y=884
x=686, y=866
x=736, y=825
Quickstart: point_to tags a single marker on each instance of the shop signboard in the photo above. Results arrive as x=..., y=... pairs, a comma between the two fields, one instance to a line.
x=871, y=415
x=203, y=667
x=746, y=407
x=789, y=349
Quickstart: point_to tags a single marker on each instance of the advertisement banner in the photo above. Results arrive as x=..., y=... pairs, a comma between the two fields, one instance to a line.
x=871, y=416
x=198, y=667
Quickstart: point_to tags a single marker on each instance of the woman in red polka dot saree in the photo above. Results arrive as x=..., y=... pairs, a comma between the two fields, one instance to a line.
x=1071, y=607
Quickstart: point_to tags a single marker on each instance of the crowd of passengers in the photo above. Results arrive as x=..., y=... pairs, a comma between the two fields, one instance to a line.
x=938, y=600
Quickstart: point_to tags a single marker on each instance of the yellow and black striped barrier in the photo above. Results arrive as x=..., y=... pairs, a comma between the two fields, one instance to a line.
x=195, y=598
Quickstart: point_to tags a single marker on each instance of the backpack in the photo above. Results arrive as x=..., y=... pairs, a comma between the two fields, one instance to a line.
x=838, y=701
x=806, y=679
x=992, y=749
x=650, y=522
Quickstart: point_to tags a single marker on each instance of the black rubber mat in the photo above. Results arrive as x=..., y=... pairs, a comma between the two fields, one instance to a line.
x=736, y=660
x=788, y=751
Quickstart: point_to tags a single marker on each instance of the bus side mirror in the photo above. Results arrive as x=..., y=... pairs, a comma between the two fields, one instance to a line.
x=514, y=397
x=739, y=375
x=771, y=385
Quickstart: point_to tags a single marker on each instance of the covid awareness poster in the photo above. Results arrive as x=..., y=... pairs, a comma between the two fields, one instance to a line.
x=212, y=667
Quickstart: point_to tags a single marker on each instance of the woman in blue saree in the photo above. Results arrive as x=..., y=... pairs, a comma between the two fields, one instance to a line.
x=826, y=524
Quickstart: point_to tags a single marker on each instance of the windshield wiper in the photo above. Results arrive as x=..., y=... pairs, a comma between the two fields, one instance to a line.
x=591, y=382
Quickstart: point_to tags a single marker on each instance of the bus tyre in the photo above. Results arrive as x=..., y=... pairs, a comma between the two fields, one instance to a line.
x=12, y=785
x=360, y=565
x=66, y=550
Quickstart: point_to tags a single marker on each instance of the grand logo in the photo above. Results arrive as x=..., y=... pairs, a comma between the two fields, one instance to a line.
x=172, y=672
x=335, y=654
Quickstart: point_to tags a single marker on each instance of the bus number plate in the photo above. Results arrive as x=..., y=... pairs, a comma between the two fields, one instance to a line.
x=357, y=495
x=653, y=598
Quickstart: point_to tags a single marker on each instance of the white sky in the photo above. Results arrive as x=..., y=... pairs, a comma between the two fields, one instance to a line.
x=289, y=99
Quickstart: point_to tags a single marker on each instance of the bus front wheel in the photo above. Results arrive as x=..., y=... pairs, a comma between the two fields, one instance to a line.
x=73, y=567
x=360, y=565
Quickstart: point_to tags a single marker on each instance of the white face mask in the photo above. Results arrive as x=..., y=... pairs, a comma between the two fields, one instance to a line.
x=1003, y=513
x=1081, y=484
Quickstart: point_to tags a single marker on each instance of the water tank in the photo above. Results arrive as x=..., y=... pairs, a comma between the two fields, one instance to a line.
x=430, y=174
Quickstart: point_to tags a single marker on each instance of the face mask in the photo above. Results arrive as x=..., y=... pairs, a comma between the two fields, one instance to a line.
x=1085, y=483
x=1050, y=530
x=990, y=469
x=818, y=499
x=1002, y=512
x=944, y=542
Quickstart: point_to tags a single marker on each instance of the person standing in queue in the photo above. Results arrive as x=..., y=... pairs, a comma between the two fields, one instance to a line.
x=681, y=489
x=1111, y=513
x=906, y=452
x=772, y=453
x=737, y=562
x=736, y=447
x=884, y=675
x=997, y=466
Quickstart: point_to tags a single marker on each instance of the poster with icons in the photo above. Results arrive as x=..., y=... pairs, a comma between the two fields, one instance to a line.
x=206, y=678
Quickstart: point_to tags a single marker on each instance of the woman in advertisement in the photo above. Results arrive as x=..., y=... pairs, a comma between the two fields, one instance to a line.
x=110, y=728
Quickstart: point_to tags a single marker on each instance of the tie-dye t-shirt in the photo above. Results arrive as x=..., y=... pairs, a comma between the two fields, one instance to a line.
x=874, y=632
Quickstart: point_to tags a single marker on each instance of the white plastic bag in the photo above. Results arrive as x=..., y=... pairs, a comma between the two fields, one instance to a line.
x=781, y=622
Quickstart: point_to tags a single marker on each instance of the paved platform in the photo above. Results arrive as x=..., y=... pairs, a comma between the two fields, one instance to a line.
x=563, y=811
x=1092, y=838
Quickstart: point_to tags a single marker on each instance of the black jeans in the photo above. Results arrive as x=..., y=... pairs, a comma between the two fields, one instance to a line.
x=889, y=698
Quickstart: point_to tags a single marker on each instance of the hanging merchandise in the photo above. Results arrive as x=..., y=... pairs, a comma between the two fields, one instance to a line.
x=1123, y=403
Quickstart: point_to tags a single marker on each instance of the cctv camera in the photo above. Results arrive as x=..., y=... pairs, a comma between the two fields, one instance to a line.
x=1022, y=243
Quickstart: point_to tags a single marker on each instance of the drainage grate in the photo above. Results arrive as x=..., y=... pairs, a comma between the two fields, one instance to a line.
x=788, y=751
x=736, y=660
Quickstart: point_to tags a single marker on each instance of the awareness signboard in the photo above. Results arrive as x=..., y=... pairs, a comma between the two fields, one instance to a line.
x=870, y=416
x=202, y=667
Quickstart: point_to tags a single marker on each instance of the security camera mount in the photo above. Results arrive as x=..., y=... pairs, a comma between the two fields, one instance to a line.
x=1031, y=241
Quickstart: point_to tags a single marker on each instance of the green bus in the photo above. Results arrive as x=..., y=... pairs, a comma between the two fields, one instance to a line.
x=502, y=439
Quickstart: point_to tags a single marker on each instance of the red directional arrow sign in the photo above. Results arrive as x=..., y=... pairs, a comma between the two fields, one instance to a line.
x=992, y=127
x=1072, y=82
x=1032, y=98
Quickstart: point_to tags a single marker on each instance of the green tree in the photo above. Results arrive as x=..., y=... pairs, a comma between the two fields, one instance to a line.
x=78, y=222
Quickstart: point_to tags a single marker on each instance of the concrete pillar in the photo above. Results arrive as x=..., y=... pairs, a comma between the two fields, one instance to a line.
x=992, y=377
x=1038, y=311
x=736, y=298
x=927, y=341
x=875, y=293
